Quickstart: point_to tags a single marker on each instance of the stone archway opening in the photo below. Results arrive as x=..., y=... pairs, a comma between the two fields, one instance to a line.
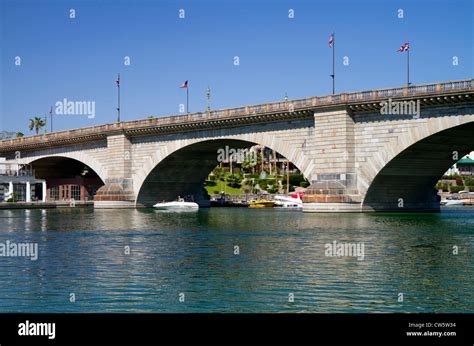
x=67, y=178
x=407, y=182
x=183, y=172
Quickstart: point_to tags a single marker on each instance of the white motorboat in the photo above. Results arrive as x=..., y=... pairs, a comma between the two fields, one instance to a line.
x=178, y=205
x=449, y=202
x=291, y=202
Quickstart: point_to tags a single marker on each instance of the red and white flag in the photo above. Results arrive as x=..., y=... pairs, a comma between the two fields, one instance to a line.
x=118, y=81
x=184, y=85
x=331, y=41
x=404, y=47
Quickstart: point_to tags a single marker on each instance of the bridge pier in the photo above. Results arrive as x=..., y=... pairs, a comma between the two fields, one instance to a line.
x=332, y=195
x=116, y=193
x=332, y=207
x=334, y=187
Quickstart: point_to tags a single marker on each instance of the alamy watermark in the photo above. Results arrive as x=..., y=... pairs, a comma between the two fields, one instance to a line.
x=66, y=107
x=400, y=108
x=338, y=249
x=227, y=154
x=12, y=249
x=37, y=329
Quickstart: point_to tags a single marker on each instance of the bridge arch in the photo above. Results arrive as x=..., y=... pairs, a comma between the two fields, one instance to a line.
x=189, y=162
x=82, y=157
x=403, y=174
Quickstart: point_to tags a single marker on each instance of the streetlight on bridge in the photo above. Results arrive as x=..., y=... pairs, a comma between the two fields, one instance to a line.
x=208, y=95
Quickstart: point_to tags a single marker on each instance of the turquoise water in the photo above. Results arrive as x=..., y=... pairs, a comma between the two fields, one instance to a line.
x=82, y=251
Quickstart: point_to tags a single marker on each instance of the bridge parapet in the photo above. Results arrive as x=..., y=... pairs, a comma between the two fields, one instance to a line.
x=292, y=108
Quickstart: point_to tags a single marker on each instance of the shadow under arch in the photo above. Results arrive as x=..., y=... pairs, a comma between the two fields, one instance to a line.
x=61, y=171
x=407, y=182
x=60, y=161
x=60, y=167
x=183, y=172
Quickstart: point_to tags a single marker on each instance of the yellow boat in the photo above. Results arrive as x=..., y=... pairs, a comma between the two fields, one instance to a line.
x=262, y=203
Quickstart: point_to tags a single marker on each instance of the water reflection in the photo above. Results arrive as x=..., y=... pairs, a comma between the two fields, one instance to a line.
x=140, y=260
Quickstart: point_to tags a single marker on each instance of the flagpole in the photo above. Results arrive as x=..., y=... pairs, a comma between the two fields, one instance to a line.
x=333, y=55
x=187, y=98
x=408, y=64
x=118, y=99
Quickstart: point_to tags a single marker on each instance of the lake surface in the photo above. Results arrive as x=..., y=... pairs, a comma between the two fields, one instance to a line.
x=83, y=251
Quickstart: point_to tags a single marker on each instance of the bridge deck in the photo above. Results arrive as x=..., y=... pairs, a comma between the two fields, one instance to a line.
x=251, y=114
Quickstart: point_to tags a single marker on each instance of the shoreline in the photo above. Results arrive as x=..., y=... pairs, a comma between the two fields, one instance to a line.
x=90, y=204
x=45, y=205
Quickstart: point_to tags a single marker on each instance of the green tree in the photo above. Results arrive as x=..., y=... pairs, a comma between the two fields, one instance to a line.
x=442, y=186
x=263, y=184
x=247, y=166
x=252, y=160
x=468, y=181
x=220, y=172
x=273, y=189
x=19, y=135
x=37, y=123
x=248, y=185
x=234, y=180
x=456, y=189
x=296, y=179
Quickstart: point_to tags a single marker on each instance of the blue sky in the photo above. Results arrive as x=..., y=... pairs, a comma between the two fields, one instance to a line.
x=79, y=58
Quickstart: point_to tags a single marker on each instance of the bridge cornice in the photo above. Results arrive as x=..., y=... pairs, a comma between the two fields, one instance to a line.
x=42, y=142
x=428, y=94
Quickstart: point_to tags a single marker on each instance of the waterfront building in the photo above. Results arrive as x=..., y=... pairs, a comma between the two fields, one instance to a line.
x=465, y=166
x=78, y=188
x=17, y=181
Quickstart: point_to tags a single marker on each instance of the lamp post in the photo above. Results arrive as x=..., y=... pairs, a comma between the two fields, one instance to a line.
x=208, y=95
x=51, y=117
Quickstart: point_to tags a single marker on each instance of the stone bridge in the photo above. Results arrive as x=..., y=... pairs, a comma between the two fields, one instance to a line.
x=361, y=151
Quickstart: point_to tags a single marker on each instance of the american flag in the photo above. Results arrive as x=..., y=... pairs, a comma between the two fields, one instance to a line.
x=184, y=85
x=118, y=81
x=404, y=47
x=331, y=40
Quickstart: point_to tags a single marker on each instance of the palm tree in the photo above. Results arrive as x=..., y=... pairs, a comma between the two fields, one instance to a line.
x=36, y=123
